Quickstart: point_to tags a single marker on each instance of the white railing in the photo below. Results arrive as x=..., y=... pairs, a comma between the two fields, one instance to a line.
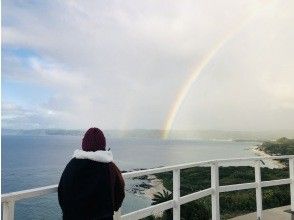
x=9, y=199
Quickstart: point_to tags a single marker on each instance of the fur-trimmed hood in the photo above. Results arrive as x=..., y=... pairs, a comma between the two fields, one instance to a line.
x=99, y=155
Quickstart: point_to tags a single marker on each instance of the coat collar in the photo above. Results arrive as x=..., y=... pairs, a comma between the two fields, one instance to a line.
x=99, y=155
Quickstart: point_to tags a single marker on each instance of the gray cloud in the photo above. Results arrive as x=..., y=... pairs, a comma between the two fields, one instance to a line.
x=121, y=64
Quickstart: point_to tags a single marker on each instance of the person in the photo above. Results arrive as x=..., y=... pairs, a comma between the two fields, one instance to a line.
x=91, y=186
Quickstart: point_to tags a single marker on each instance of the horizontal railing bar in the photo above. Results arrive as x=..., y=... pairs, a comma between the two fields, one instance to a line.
x=236, y=187
x=163, y=169
x=275, y=182
x=255, y=158
x=142, y=213
x=201, y=163
x=14, y=196
x=195, y=196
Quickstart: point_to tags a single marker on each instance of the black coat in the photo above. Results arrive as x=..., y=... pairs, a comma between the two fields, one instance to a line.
x=85, y=190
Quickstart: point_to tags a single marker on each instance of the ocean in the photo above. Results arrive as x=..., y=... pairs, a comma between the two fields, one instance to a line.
x=34, y=161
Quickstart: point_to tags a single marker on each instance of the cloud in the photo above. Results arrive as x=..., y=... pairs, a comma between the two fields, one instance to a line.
x=120, y=64
x=277, y=87
x=17, y=117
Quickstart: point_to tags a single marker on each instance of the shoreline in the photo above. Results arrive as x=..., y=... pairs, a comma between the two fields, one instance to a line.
x=156, y=186
x=258, y=152
x=147, y=187
x=151, y=185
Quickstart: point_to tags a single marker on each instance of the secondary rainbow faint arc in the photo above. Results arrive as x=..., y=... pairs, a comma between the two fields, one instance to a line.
x=194, y=75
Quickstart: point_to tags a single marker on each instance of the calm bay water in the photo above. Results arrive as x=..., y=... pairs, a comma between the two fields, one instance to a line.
x=35, y=161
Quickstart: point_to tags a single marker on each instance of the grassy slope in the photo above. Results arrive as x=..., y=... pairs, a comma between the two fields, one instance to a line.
x=282, y=146
x=238, y=202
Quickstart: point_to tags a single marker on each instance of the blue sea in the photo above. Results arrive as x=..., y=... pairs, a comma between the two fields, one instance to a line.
x=35, y=161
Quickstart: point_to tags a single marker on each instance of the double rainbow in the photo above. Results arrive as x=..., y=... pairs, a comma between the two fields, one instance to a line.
x=183, y=92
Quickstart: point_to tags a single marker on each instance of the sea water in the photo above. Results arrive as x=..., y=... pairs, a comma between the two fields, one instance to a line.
x=36, y=161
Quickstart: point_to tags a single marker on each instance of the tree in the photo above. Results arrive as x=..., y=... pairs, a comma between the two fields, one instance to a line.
x=163, y=197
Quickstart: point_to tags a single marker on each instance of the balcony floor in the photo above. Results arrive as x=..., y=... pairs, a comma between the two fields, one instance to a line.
x=270, y=214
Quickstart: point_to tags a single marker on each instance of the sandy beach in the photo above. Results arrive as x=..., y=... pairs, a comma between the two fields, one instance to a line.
x=148, y=187
x=271, y=163
x=156, y=186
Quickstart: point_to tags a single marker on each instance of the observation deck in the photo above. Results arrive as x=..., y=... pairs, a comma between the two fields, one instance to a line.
x=9, y=199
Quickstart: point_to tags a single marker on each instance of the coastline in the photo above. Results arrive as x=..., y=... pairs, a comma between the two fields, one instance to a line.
x=156, y=186
x=147, y=186
x=275, y=163
x=152, y=185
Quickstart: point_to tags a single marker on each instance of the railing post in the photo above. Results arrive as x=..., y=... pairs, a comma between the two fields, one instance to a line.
x=117, y=215
x=258, y=190
x=215, y=193
x=8, y=210
x=291, y=170
x=176, y=195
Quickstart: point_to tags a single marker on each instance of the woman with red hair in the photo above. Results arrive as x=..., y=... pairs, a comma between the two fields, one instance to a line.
x=91, y=186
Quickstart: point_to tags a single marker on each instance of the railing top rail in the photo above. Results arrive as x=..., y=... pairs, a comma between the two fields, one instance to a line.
x=28, y=193
x=14, y=196
x=201, y=163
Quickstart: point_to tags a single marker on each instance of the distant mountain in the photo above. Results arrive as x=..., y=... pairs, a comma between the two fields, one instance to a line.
x=232, y=135
x=175, y=134
x=42, y=132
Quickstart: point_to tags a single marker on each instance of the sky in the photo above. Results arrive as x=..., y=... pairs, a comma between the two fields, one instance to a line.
x=122, y=64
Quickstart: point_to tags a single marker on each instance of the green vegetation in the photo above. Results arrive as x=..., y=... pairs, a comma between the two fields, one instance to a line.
x=282, y=146
x=231, y=203
x=161, y=197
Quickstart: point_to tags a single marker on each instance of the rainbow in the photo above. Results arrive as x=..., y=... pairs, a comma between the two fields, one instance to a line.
x=183, y=92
